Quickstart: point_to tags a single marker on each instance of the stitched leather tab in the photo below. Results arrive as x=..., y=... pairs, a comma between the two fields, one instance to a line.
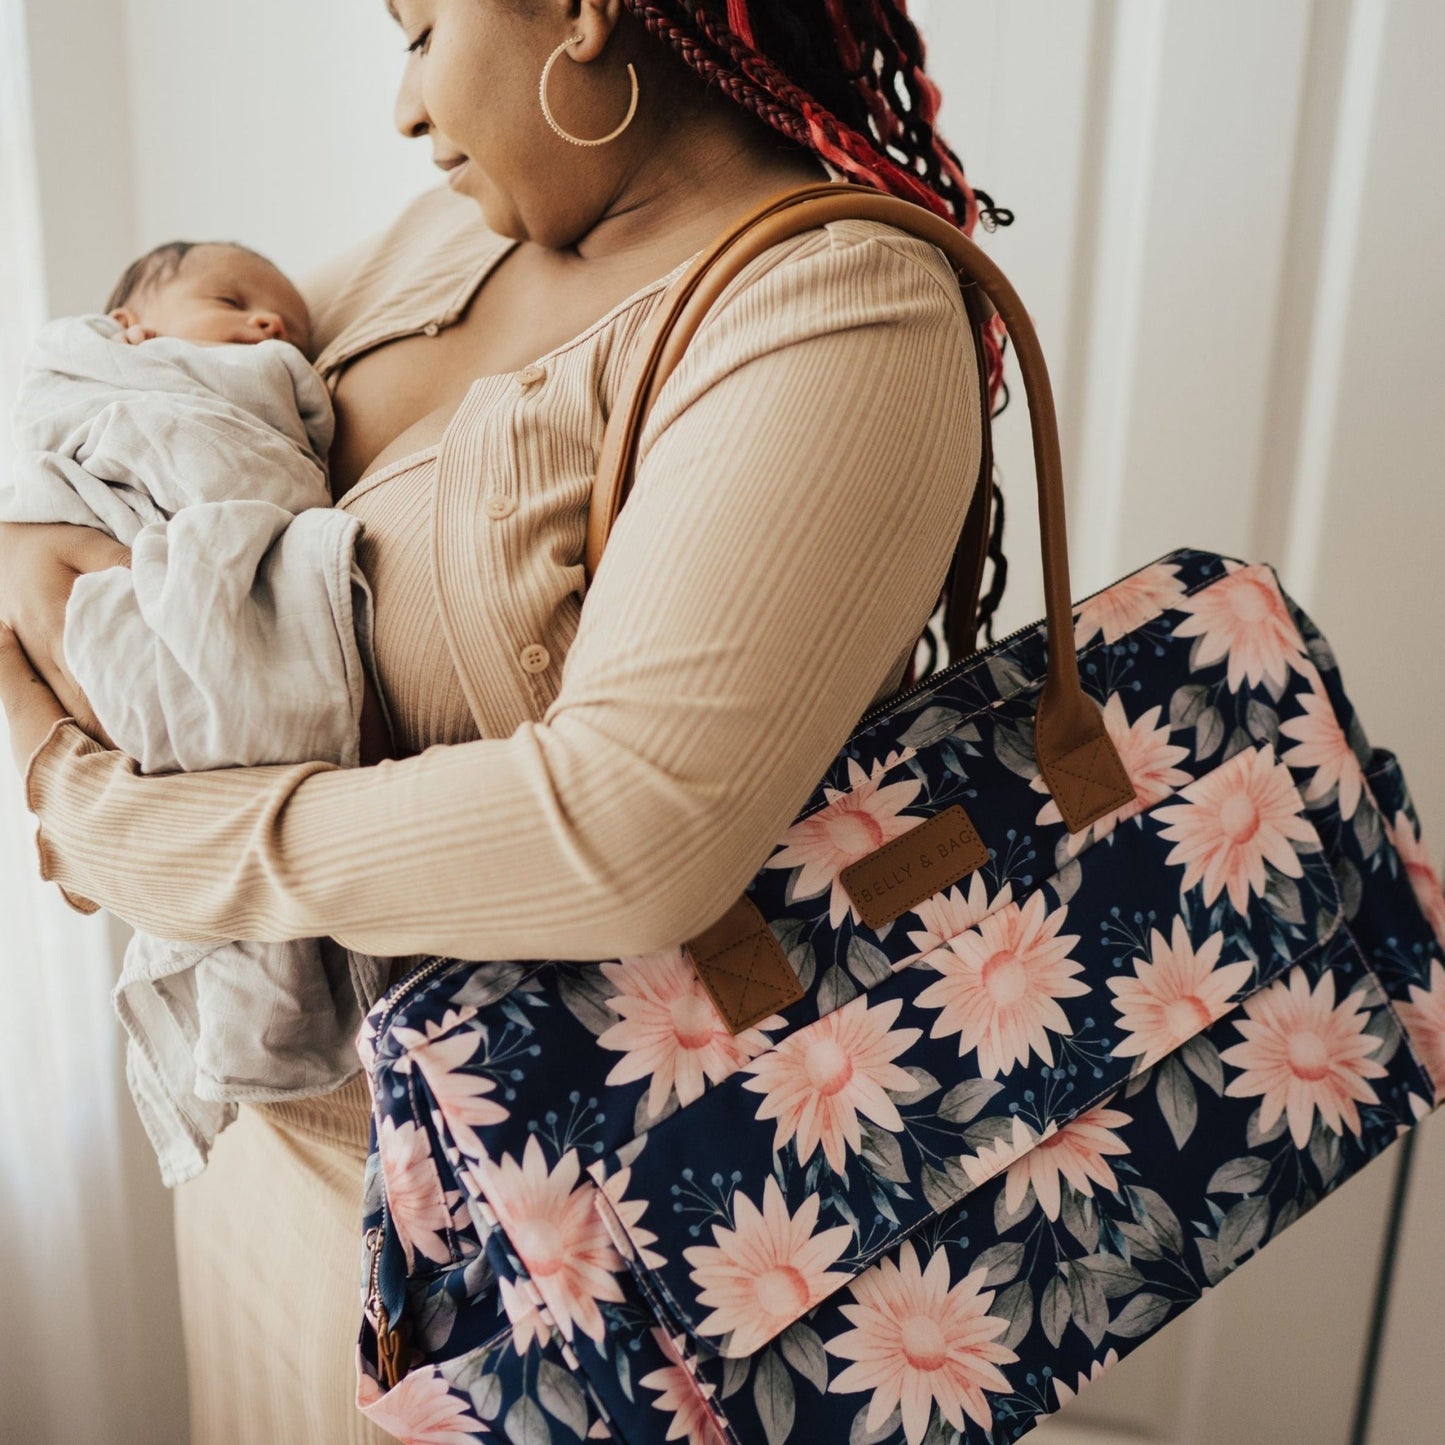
x=924, y=861
x=1088, y=782
x=743, y=967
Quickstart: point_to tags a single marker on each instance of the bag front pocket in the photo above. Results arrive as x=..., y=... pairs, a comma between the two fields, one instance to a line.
x=743, y=1211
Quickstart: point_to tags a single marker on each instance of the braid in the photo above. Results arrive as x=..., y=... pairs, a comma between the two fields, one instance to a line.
x=865, y=105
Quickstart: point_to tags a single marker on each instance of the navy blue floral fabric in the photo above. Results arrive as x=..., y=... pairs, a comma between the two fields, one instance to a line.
x=997, y=1142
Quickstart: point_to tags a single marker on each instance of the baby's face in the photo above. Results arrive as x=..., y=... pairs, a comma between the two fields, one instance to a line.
x=221, y=295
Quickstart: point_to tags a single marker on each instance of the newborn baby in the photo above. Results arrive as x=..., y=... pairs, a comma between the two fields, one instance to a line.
x=189, y=424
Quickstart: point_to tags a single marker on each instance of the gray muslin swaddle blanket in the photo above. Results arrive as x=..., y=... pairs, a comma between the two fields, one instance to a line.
x=235, y=637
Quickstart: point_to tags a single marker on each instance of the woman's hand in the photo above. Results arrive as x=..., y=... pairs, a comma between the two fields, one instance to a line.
x=31, y=709
x=39, y=562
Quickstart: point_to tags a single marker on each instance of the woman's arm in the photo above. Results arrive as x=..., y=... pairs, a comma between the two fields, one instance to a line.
x=801, y=483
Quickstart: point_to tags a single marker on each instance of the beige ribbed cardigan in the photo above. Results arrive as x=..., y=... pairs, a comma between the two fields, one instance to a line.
x=800, y=484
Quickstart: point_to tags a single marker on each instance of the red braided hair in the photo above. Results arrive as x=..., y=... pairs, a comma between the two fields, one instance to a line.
x=864, y=104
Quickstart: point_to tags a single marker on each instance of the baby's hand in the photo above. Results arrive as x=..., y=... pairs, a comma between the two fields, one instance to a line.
x=134, y=335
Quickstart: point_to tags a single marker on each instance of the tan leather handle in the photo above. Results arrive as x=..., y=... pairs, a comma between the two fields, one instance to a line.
x=1075, y=755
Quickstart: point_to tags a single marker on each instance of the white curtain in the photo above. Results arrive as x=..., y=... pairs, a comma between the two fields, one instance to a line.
x=90, y=1347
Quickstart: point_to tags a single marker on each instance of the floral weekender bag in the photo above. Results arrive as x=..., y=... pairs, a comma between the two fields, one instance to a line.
x=1084, y=972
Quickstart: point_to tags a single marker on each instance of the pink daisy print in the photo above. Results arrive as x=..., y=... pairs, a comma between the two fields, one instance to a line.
x=916, y=1342
x=1320, y=743
x=414, y=1191
x=1419, y=869
x=1302, y=1054
x=821, y=1078
x=1077, y=1152
x=1066, y=1395
x=670, y=1032
x=954, y=911
x=1129, y=604
x=524, y=1315
x=770, y=1268
x=683, y=1396
x=623, y=1218
x=1234, y=820
x=1000, y=985
x=419, y=1409
x=1148, y=758
x=556, y=1232
x=1173, y=995
x=855, y=822
x=1424, y=1020
x=461, y=1098
x=1243, y=617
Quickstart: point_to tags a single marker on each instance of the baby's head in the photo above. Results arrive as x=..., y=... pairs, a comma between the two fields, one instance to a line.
x=211, y=292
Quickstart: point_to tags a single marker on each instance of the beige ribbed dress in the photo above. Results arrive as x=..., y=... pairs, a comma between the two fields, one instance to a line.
x=800, y=485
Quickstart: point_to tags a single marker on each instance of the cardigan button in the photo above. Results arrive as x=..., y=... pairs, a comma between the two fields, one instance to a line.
x=431, y=328
x=499, y=505
x=529, y=376
x=535, y=657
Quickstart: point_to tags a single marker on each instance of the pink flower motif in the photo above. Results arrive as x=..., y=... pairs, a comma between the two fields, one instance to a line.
x=1148, y=758
x=558, y=1235
x=419, y=1409
x=1234, y=820
x=917, y=1343
x=1322, y=745
x=770, y=1268
x=1000, y=986
x=683, y=1396
x=460, y=1098
x=1302, y=1053
x=414, y=1191
x=1173, y=995
x=855, y=822
x=1424, y=1020
x=1077, y=1152
x=949, y=913
x=622, y=1217
x=1129, y=604
x=524, y=1315
x=1419, y=869
x=1067, y=1395
x=1242, y=616
x=821, y=1078
x=670, y=1031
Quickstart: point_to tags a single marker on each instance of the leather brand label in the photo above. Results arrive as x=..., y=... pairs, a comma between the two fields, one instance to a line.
x=924, y=861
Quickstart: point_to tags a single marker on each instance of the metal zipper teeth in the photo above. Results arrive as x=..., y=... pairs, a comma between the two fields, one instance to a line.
x=974, y=658
x=408, y=985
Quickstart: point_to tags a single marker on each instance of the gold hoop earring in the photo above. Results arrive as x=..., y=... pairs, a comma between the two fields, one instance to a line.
x=547, y=109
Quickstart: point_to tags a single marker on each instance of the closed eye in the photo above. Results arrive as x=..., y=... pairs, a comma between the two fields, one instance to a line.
x=418, y=45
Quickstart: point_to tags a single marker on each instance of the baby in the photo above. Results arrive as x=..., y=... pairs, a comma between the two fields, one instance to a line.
x=189, y=424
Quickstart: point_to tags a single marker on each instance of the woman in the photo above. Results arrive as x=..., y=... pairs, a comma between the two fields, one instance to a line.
x=800, y=485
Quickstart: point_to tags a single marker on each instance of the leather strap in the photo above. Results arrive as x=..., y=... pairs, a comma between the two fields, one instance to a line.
x=1076, y=757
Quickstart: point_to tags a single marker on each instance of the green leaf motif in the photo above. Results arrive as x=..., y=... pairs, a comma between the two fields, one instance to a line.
x=1151, y=1210
x=1141, y=1316
x=1116, y=1277
x=773, y=1397
x=1243, y=1229
x=867, y=962
x=882, y=1153
x=931, y=726
x=486, y=1393
x=1239, y=1176
x=562, y=1397
x=526, y=1424
x=1054, y=1309
x=803, y=1350
x=1002, y=1261
x=963, y=1103
x=1201, y=1058
x=1208, y=733
x=1176, y=1100
x=1186, y=705
x=835, y=990
x=1016, y=1305
x=1087, y=1303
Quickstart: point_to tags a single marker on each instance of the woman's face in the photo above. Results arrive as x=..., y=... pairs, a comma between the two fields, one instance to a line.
x=470, y=84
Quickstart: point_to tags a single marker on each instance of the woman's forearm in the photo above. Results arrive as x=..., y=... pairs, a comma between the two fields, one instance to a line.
x=773, y=562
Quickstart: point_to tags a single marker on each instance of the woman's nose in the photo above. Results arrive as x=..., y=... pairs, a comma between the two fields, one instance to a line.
x=410, y=114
